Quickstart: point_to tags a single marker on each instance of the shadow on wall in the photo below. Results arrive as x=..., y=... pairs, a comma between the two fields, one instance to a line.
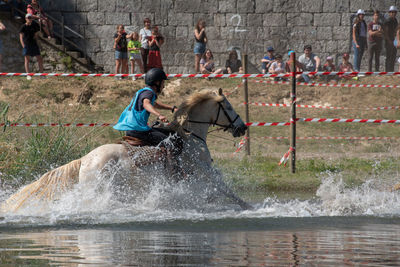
x=12, y=61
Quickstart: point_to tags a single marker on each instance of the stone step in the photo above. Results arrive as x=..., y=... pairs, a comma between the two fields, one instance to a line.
x=74, y=54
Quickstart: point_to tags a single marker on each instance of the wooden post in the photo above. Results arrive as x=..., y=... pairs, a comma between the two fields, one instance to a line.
x=293, y=115
x=246, y=100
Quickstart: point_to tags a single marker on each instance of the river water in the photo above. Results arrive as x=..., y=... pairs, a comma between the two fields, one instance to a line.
x=178, y=226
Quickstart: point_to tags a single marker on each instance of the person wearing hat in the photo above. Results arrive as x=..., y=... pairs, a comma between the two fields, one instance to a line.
x=375, y=38
x=134, y=119
x=267, y=60
x=359, y=38
x=28, y=35
x=389, y=30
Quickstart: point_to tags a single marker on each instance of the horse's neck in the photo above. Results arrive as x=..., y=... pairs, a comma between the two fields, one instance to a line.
x=198, y=119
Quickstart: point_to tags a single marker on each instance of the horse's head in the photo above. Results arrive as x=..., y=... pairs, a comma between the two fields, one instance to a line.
x=227, y=117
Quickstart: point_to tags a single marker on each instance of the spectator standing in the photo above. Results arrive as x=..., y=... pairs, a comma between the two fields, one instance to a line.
x=27, y=36
x=155, y=42
x=2, y=28
x=134, y=52
x=389, y=31
x=375, y=38
x=38, y=13
x=397, y=42
x=200, y=43
x=207, y=65
x=267, y=60
x=359, y=38
x=310, y=62
x=121, y=50
x=144, y=35
x=233, y=64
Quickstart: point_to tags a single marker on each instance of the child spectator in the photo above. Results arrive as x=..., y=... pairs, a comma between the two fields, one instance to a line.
x=155, y=41
x=207, y=65
x=144, y=35
x=267, y=60
x=359, y=38
x=278, y=67
x=389, y=31
x=2, y=28
x=27, y=36
x=121, y=50
x=200, y=43
x=134, y=52
x=233, y=64
x=328, y=67
x=346, y=66
x=310, y=62
x=37, y=13
x=289, y=67
x=375, y=38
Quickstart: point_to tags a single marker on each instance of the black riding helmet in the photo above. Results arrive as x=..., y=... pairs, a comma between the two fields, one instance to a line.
x=154, y=75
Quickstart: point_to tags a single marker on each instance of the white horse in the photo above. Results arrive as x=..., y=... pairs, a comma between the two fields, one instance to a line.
x=194, y=117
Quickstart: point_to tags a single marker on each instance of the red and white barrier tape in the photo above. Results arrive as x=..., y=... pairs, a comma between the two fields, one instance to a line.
x=241, y=145
x=331, y=137
x=321, y=120
x=285, y=157
x=56, y=124
x=333, y=84
x=315, y=106
x=197, y=75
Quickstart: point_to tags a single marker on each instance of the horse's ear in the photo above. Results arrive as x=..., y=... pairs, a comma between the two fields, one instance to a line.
x=220, y=91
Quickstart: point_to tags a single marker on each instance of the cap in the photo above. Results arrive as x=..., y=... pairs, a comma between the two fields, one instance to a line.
x=346, y=55
x=28, y=15
x=270, y=48
x=290, y=52
x=329, y=58
x=360, y=12
x=393, y=9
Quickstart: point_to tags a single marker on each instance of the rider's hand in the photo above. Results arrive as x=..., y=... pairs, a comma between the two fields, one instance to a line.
x=162, y=118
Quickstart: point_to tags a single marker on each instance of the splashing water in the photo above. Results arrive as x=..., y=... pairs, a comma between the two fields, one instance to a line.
x=113, y=198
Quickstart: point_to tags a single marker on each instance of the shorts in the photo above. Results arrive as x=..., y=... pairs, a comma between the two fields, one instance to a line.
x=135, y=56
x=199, y=48
x=31, y=50
x=121, y=55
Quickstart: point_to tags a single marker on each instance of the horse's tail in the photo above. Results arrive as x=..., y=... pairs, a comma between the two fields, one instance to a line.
x=46, y=188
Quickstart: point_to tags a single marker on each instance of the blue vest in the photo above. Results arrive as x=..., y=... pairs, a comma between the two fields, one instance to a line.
x=133, y=120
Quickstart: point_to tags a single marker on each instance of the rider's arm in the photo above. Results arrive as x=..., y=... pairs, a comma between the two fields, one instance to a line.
x=151, y=109
x=164, y=106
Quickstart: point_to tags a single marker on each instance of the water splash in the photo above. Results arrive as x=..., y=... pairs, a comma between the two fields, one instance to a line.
x=154, y=198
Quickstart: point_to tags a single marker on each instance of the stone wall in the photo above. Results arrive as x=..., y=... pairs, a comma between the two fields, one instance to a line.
x=251, y=25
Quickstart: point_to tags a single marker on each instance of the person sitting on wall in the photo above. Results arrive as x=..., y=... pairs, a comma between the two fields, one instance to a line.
x=289, y=65
x=207, y=65
x=346, y=66
x=310, y=62
x=267, y=60
x=38, y=14
x=278, y=67
x=233, y=64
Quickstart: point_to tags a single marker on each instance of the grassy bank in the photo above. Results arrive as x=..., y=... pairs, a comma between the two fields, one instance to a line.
x=26, y=153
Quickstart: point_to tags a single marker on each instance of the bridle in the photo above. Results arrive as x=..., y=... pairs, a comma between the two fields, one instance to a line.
x=224, y=127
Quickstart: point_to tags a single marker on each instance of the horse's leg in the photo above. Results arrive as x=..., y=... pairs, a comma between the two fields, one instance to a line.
x=95, y=161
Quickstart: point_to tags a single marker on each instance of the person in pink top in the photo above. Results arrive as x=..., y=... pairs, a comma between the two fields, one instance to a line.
x=38, y=14
x=346, y=66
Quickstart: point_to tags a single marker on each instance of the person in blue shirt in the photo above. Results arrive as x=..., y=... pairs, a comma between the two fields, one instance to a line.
x=134, y=119
x=267, y=60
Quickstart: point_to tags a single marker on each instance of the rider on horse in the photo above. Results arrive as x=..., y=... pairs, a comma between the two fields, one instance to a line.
x=134, y=119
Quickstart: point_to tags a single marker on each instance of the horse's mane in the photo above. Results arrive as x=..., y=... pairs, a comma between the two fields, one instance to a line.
x=193, y=100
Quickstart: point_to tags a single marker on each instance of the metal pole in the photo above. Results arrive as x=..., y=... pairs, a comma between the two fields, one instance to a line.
x=293, y=116
x=246, y=100
x=62, y=32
